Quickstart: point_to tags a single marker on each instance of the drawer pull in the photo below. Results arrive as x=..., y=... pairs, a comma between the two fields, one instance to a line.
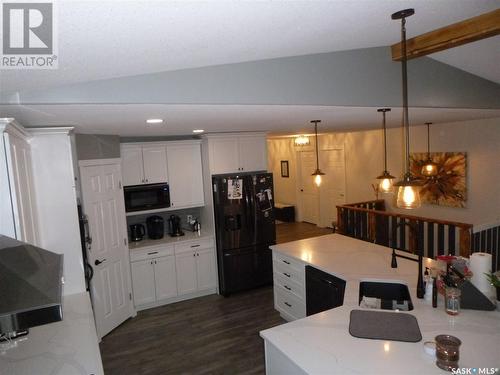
x=286, y=303
x=153, y=252
x=286, y=274
x=287, y=287
x=195, y=245
x=285, y=261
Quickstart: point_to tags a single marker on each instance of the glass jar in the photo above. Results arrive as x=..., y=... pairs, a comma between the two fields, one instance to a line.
x=452, y=301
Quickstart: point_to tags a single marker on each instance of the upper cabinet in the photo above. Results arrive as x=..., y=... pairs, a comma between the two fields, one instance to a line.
x=185, y=172
x=144, y=164
x=230, y=153
x=176, y=162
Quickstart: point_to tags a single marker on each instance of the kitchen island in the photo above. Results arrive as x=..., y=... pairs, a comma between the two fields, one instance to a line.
x=321, y=343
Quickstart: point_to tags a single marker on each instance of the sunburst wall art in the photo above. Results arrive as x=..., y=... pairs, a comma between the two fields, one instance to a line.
x=449, y=187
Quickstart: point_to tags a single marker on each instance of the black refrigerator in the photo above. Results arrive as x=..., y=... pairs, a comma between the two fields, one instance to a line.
x=245, y=228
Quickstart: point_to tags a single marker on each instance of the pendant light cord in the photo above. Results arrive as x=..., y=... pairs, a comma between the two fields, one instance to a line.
x=428, y=140
x=385, y=142
x=317, y=152
x=405, y=95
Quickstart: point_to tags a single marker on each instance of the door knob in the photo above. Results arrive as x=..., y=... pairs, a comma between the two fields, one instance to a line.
x=302, y=190
x=97, y=262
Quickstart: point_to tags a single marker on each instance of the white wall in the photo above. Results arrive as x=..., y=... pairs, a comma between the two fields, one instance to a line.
x=364, y=161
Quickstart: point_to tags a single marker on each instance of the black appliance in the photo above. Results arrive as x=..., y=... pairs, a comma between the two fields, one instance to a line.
x=174, y=226
x=86, y=242
x=137, y=232
x=156, y=227
x=146, y=197
x=245, y=228
x=323, y=291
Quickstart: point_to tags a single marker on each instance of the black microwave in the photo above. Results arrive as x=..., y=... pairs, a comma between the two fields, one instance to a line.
x=146, y=197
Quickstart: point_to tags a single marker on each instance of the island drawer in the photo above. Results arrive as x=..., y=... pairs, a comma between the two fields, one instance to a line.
x=151, y=252
x=289, y=286
x=288, y=262
x=289, y=273
x=286, y=303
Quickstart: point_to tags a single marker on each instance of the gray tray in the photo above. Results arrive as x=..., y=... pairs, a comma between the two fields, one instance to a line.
x=379, y=325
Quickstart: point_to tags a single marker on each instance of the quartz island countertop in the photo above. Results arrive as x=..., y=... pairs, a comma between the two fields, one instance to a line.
x=68, y=347
x=321, y=343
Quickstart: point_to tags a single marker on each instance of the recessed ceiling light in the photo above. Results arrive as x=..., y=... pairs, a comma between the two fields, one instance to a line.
x=155, y=121
x=198, y=131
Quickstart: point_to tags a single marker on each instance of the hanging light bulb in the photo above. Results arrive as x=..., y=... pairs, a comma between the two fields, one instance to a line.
x=385, y=184
x=430, y=169
x=317, y=173
x=409, y=186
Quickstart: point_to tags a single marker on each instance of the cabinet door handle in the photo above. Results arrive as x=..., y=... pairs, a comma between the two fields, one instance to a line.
x=286, y=303
x=287, y=287
x=285, y=261
x=153, y=252
x=194, y=254
x=286, y=274
x=195, y=245
x=97, y=262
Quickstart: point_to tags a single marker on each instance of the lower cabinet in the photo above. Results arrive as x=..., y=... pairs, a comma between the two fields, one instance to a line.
x=172, y=273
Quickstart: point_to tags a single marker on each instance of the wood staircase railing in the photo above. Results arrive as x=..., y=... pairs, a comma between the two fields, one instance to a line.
x=369, y=221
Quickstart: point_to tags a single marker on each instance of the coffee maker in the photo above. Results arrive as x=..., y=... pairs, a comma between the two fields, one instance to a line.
x=156, y=227
x=174, y=226
x=137, y=232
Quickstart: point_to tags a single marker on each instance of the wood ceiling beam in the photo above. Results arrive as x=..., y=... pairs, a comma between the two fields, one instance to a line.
x=470, y=30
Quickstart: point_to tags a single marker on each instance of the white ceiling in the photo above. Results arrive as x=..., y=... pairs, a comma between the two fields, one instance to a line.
x=107, y=39
x=129, y=120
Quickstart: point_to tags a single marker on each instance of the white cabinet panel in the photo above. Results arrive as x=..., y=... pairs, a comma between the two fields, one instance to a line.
x=186, y=273
x=165, y=277
x=224, y=155
x=205, y=267
x=155, y=164
x=185, y=175
x=143, y=282
x=253, y=153
x=132, y=168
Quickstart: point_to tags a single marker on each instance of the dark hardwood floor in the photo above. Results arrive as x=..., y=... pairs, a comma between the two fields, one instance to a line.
x=207, y=335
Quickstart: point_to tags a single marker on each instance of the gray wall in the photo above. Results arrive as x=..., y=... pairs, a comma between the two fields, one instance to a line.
x=90, y=146
x=364, y=77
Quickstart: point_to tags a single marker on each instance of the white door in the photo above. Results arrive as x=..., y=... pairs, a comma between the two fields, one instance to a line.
x=165, y=277
x=155, y=164
x=309, y=204
x=143, y=282
x=185, y=264
x=132, y=169
x=332, y=189
x=253, y=155
x=205, y=269
x=224, y=155
x=104, y=206
x=185, y=175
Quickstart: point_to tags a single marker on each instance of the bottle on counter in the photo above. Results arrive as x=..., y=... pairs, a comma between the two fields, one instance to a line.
x=429, y=289
x=434, y=292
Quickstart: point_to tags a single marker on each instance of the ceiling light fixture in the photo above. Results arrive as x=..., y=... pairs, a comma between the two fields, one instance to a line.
x=409, y=186
x=301, y=140
x=386, y=179
x=317, y=173
x=154, y=121
x=430, y=169
x=198, y=131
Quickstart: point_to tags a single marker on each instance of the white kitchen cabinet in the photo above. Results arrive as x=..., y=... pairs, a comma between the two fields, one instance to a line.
x=143, y=282
x=18, y=213
x=195, y=264
x=144, y=164
x=232, y=153
x=185, y=174
x=153, y=275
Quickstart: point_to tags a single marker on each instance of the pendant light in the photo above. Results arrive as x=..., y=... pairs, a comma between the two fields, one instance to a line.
x=385, y=184
x=317, y=173
x=408, y=187
x=430, y=169
x=301, y=140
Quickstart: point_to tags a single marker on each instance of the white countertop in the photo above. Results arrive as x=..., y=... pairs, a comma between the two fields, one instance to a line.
x=321, y=343
x=68, y=347
x=188, y=236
